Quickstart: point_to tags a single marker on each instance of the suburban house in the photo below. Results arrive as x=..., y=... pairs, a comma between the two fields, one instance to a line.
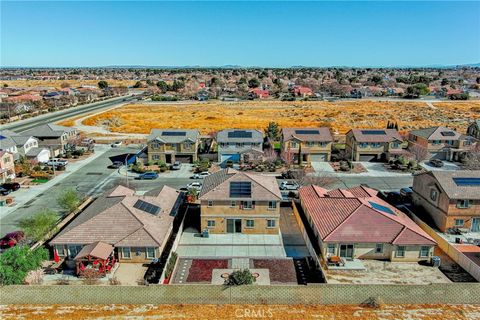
x=137, y=227
x=474, y=129
x=373, y=144
x=170, y=145
x=311, y=144
x=239, y=202
x=239, y=145
x=259, y=93
x=23, y=145
x=301, y=91
x=356, y=224
x=441, y=142
x=53, y=137
x=7, y=166
x=451, y=198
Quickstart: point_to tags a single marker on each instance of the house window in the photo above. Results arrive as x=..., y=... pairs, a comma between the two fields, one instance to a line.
x=436, y=141
x=433, y=194
x=293, y=144
x=363, y=145
x=250, y=223
x=272, y=205
x=210, y=223
x=73, y=250
x=209, y=203
x=150, y=252
x=424, y=251
x=450, y=142
x=400, y=252
x=233, y=203
x=459, y=222
x=156, y=157
x=187, y=145
x=375, y=145
x=138, y=251
x=331, y=249
x=463, y=204
x=309, y=144
x=322, y=144
x=395, y=145
x=247, y=205
x=126, y=253
x=271, y=223
x=379, y=248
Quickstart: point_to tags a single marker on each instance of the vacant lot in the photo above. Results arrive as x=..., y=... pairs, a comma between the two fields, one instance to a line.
x=341, y=116
x=388, y=312
x=58, y=83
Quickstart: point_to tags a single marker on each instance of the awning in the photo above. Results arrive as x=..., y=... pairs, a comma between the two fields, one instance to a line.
x=99, y=250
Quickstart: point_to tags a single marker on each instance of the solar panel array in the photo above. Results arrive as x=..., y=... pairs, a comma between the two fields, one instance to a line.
x=379, y=207
x=467, y=182
x=240, y=134
x=372, y=132
x=2, y=137
x=174, y=133
x=447, y=133
x=147, y=207
x=307, y=132
x=240, y=189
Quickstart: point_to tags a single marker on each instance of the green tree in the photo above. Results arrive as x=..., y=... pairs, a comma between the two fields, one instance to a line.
x=240, y=277
x=69, y=200
x=163, y=86
x=273, y=131
x=253, y=83
x=416, y=90
x=102, y=84
x=177, y=85
x=17, y=261
x=39, y=225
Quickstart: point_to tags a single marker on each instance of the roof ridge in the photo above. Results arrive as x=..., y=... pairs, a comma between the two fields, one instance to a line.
x=253, y=179
x=344, y=220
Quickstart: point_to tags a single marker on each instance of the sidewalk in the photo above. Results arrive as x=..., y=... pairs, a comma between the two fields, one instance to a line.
x=373, y=170
x=24, y=195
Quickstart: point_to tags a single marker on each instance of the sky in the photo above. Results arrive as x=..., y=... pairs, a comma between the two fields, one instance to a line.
x=266, y=34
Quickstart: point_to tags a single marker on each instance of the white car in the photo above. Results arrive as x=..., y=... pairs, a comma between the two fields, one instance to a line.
x=201, y=175
x=116, y=144
x=195, y=185
x=57, y=162
x=289, y=185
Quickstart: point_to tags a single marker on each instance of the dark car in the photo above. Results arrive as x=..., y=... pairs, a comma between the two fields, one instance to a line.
x=406, y=193
x=115, y=165
x=11, y=239
x=436, y=163
x=4, y=191
x=12, y=186
x=148, y=176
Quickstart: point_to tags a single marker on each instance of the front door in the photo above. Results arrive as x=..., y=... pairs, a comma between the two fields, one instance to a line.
x=346, y=251
x=234, y=225
x=475, y=224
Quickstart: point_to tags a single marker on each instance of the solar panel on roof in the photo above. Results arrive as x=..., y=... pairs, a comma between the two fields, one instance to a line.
x=240, y=189
x=379, y=207
x=174, y=133
x=372, y=132
x=307, y=132
x=467, y=182
x=240, y=134
x=2, y=137
x=447, y=133
x=147, y=207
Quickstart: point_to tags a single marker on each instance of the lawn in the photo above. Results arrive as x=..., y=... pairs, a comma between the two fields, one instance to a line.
x=341, y=116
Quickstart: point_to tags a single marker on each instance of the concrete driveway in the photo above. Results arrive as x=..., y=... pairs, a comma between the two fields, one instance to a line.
x=374, y=169
x=447, y=166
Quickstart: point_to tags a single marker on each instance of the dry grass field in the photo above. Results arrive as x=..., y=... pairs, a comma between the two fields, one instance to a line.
x=282, y=312
x=341, y=116
x=58, y=83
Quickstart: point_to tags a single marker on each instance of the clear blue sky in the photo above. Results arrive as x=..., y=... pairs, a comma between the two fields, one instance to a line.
x=274, y=34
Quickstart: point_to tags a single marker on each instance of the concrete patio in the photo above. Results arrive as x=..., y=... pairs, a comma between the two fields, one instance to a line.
x=354, y=264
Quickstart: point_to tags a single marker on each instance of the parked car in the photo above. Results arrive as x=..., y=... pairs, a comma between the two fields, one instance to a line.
x=406, y=192
x=195, y=185
x=13, y=186
x=57, y=162
x=4, y=191
x=116, y=144
x=115, y=165
x=176, y=165
x=289, y=185
x=201, y=175
x=436, y=163
x=11, y=239
x=150, y=175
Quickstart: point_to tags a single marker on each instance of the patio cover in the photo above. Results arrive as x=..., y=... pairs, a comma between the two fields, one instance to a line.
x=99, y=250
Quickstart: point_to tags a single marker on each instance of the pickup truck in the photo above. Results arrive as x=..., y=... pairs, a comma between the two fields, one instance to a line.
x=57, y=162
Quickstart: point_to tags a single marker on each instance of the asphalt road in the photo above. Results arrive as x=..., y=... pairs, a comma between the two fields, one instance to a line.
x=23, y=125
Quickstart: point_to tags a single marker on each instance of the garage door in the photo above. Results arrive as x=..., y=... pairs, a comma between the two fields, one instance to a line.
x=367, y=157
x=318, y=157
x=439, y=155
x=226, y=157
x=184, y=158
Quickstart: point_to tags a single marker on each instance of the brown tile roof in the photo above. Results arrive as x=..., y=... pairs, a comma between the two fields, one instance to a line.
x=376, y=135
x=321, y=134
x=435, y=133
x=358, y=215
x=100, y=250
x=454, y=191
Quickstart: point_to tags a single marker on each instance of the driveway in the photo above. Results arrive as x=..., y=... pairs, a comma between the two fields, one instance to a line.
x=374, y=169
x=447, y=166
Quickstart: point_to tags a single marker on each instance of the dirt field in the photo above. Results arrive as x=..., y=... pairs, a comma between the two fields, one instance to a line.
x=417, y=312
x=57, y=83
x=341, y=116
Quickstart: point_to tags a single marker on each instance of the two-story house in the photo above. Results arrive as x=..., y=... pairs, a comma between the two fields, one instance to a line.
x=7, y=166
x=451, y=198
x=170, y=145
x=441, y=142
x=57, y=139
x=240, y=202
x=474, y=129
x=23, y=145
x=311, y=144
x=373, y=144
x=239, y=145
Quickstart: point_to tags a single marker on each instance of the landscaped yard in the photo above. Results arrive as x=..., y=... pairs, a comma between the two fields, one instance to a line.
x=341, y=115
x=282, y=271
x=201, y=269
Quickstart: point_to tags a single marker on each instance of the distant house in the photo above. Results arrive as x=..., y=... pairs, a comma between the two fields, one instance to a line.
x=137, y=227
x=373, y=144
x=170, y=145
x=474, y=129
x=7, y=166
x=355, y=223
x=240, y=202
x=239, y=145
x=451, y=198
x=441, y=142
x=53, y=137
x=259, y=93
x=24, y=98
x=301, y=91
x=23, y=145
x=311, y=144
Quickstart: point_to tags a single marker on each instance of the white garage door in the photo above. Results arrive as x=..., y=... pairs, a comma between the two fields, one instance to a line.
x=318, y=157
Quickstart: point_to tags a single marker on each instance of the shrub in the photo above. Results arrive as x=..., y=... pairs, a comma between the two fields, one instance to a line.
x=240, y=277
x=38, y=226
x=170, y=265
x=69, y=200
x=16, y=262
x=114, y=281
x=372, y=302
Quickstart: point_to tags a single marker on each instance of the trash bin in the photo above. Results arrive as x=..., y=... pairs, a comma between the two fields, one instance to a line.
x=436, y=261
x=205, y=233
